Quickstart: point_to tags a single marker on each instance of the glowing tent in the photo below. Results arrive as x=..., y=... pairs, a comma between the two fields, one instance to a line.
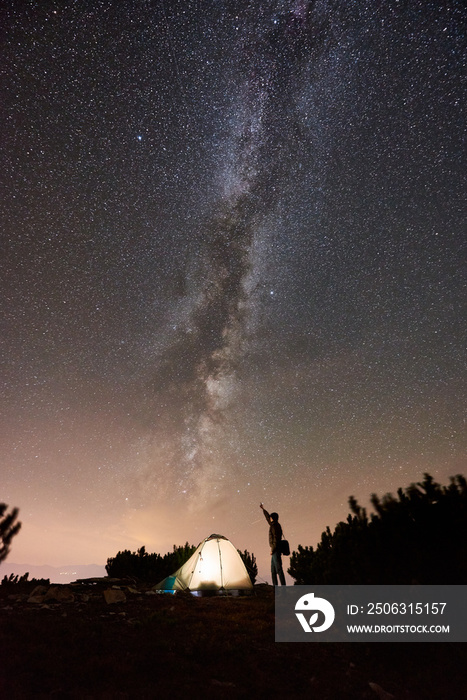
x=215, y=566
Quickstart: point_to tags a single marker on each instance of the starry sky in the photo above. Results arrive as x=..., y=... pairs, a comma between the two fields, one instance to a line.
x=233, y=246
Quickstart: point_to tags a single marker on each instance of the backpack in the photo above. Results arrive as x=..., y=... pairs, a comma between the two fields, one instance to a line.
x=284, y=548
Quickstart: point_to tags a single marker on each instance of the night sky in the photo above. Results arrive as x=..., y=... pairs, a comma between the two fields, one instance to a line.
x=233, y=266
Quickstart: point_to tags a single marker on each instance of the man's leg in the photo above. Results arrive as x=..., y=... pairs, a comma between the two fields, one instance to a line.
x=274, y=570
x=280, y=570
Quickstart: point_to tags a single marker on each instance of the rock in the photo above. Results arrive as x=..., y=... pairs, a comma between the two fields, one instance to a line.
x=382, y=694
x=38, y=594
x=113, y=595
x=39, y=590
x=36, y=599
x=222, y=684
x=62, y=594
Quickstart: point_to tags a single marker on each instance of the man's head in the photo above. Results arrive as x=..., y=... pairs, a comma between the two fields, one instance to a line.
x=274, y=517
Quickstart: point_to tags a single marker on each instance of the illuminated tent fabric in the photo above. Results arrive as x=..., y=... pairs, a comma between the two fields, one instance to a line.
x=215, y=566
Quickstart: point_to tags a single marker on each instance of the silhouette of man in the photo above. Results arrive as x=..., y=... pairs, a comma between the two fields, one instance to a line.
x=275, y=536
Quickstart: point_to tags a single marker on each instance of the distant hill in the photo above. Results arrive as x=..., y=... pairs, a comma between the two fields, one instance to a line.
x=56, y=574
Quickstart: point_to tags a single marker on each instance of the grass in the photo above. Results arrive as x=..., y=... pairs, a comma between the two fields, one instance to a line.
x=157, y=646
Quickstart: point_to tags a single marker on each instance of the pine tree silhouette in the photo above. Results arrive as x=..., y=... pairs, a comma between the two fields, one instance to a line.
x=8, y=529
x=250, y=564
x=416, y=537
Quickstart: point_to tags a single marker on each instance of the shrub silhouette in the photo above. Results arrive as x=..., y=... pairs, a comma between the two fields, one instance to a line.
x=22, y=583
x=8, y=529
x=250, y=564
x=416, y=537
x=148, y=567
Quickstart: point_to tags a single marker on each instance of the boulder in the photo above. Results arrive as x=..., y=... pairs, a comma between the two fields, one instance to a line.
x=38, y=594
x=114, y=595
x=61, y=594
x=36, y=599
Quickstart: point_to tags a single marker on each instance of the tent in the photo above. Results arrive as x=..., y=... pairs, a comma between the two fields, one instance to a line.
x=215, y=566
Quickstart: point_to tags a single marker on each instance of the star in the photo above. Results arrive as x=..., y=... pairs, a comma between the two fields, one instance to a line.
x=266, y=293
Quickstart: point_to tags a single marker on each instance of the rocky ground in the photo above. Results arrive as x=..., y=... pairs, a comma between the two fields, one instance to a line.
x=118, y=639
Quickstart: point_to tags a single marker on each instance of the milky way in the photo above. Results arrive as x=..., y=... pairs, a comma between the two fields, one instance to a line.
x=201, y=365
x=233, y=265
